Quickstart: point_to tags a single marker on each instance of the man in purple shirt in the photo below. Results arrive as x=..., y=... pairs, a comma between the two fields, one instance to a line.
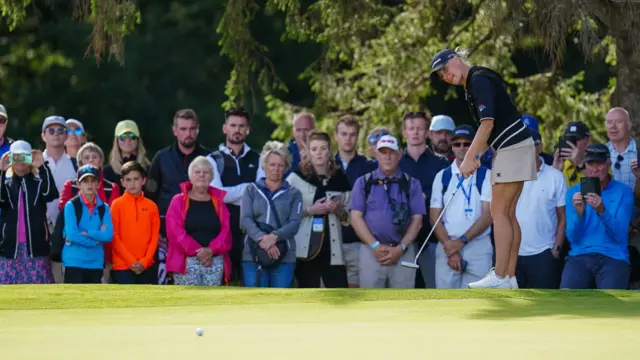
x=387, y=207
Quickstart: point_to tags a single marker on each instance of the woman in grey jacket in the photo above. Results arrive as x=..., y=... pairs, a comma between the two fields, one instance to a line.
x=271, y=214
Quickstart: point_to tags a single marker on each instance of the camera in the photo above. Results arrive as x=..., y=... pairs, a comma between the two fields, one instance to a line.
x=400, y=216
x=17, y=158
x=590, y=185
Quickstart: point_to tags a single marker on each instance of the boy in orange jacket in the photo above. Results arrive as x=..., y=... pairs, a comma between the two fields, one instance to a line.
x=136, y=225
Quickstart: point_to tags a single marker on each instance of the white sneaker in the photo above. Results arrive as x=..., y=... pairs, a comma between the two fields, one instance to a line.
x=514, y=282
x=491, y=281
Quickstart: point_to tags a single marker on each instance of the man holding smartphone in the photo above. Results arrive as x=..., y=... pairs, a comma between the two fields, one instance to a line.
x=599, y=210
x=569, y=154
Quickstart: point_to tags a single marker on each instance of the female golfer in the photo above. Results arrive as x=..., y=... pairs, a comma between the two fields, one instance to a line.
x=500, y=128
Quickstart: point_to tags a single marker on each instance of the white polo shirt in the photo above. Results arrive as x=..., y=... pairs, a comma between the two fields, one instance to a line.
x=466, y=207
x=62, y=170
x=536, y=210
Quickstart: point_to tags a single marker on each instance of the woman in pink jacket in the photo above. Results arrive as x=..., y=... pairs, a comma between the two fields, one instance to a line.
x=198, y=233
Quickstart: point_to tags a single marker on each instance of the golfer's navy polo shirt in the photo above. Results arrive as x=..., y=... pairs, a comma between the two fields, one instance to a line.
x=424, y=170
x=491, y=100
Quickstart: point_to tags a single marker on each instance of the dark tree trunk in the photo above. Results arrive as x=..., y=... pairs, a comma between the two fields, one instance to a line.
x=627, y=92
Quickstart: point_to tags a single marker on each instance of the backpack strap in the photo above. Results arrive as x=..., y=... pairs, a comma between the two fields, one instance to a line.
x=74, y=162
x=101, y=210
x=446, y=179
x=367, y=185
x=77, y=206
x=405, y=185
x=447, y=174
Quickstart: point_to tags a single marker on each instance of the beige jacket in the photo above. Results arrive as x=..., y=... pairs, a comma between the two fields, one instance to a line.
x=303, y=236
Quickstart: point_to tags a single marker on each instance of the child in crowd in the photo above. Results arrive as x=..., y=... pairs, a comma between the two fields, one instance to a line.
x=87, y=227
x=136, y=225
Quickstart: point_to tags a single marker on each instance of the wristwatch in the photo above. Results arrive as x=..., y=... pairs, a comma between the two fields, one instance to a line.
x=464, y=239
x=555, y=247
x=404, y=247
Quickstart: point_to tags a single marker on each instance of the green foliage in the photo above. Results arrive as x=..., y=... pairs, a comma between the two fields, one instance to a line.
x=14, y=11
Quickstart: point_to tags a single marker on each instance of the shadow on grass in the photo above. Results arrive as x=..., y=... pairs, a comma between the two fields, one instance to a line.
x=563, y=303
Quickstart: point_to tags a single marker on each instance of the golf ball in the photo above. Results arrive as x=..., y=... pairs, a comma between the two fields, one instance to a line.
x=199, y=332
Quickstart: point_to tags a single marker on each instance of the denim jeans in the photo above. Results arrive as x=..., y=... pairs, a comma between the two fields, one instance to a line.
x=582, y=271
x=280, y=276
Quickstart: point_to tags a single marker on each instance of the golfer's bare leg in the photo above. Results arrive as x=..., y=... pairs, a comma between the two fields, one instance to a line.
x=502, y=195
x=517, y=234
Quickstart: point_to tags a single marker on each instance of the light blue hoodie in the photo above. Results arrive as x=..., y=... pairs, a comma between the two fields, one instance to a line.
x=82, y=251
x=607, y=234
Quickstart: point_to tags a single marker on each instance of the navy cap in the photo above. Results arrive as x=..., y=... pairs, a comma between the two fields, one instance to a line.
x=464, y=132
x=578, y=129
x=441, y=59
x=88, y=170
x=597, y=153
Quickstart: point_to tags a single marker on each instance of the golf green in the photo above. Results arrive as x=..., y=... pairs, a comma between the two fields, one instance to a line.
x=128, y=322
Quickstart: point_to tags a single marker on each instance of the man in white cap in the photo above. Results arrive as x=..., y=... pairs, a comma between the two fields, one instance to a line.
x=5, y=142
x=387, y=208
x=440, y=133
x=63, y=167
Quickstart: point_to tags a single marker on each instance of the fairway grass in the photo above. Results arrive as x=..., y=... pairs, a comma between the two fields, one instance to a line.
x=153, y=322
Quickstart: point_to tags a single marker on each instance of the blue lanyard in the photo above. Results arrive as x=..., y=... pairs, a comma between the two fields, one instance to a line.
x=467, y=195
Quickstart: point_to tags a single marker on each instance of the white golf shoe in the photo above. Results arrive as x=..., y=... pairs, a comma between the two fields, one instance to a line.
x=491, y=281
x=514, y=282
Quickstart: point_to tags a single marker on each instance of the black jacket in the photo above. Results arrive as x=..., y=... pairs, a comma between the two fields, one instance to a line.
x=38, y=191
x=169, y=168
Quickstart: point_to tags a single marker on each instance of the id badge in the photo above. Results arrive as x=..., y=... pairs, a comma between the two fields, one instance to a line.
x=468, y=214
x=317, y=225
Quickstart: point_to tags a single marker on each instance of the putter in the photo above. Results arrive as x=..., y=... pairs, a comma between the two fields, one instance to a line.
x=414, y=264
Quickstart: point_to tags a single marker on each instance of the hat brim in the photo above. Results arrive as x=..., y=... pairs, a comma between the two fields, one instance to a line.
x=595, y=158
x=85, y=176
x=124, y=131
x=387, y=147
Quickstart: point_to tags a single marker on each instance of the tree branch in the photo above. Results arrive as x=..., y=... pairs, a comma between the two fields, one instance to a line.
x=469, y=22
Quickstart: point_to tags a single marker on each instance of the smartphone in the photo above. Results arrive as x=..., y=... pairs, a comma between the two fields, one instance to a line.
x=334, y=197
x=564, y=140
x=20, y=158
x=590, y=185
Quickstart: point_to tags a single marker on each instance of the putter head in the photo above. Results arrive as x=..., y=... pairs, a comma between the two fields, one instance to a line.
x=409, y=264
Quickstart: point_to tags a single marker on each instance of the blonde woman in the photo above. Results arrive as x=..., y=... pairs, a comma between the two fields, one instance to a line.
x=127, y=146
x=198, y=230
x=326, y=191
x=271, y=210
x=26, y=185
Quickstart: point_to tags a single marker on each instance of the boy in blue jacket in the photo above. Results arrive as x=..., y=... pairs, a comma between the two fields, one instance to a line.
x=83, y=252
x=598, y=228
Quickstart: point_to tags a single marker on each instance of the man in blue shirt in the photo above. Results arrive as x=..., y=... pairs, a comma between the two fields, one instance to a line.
x=598, y=228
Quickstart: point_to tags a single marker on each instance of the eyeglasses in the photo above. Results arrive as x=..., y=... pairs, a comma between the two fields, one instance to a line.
x=619, y=160
x=373, y=139
x=131, y=136
x=59, y=131
x=76, y=131
x=463, y=144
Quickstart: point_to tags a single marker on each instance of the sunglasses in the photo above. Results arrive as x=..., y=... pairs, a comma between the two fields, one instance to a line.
x=373, y=139
x=619, y=160
x=461, y=144
x=77, y=132
x=131, y=136
x=59, y=131
x=3, y=120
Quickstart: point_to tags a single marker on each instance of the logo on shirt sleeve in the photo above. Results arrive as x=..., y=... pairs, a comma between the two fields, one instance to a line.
x=481, y=107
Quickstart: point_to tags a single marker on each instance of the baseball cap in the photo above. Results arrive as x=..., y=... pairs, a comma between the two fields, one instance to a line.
x=126, y=126
x=441, y=59
x=87, y=170
x=20, y=147
x=464, y=132
x=389, y=142
x=74, y=122
x=578, y=129
x=3, y=111
x=442, y=122
x=596, y=153
x=52, y=120
x=530, y=122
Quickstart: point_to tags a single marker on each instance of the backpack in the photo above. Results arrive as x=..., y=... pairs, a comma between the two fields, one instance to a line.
x=405, y=184
x=56, y=238
x=447, y=174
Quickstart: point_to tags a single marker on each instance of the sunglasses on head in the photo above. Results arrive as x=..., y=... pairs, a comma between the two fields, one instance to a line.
x=59, y=131
x=373, y=139
x=131, y=136
x=76, y=131
x=461, y=143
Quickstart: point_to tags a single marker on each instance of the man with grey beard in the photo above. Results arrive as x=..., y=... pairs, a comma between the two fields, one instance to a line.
x=169, y=168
